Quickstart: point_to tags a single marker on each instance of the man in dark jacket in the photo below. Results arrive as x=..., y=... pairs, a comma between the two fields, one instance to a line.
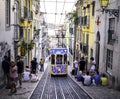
x=34, y=65
x=20, y=66
x=82, y=64
x=6, y=69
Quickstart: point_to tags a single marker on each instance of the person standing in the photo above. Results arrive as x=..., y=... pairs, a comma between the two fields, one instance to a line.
x=34, y=65
x=13, y=76
x=6, y=70
x=20, y=70
x=41, y=64
x=93, y=66
x=75, y=65
x=82, y=64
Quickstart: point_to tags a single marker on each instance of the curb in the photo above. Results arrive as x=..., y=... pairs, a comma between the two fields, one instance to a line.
x=35, y=86
x=37, y=82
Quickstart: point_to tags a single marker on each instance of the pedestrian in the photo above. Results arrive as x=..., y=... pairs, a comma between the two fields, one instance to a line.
x=104, y=80
x=82, y=64
x=34, y=78
x=26, y=74
x=13, y=77
x=6, y=70
x=75, y=65
x=34, y=65
x=87, y=80
x=41, y=64
x=96, y=78
x=79, y=76
x=93, y=66
x=20, y=70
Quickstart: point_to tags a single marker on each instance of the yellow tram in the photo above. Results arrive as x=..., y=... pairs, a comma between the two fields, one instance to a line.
x=59, y=64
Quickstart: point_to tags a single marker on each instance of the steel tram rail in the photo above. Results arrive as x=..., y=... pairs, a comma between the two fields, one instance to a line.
x=58, y=88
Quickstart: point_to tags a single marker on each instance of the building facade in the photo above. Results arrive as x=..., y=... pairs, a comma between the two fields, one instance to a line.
x=85, y=29
x=107, y=42
x=7, y=32
x=17, y=30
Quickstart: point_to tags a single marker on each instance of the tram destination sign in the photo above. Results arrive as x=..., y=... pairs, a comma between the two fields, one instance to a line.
x=58, y=51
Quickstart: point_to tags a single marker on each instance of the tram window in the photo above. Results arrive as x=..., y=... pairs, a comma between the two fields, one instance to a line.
x=65, y=59
x=59, y=59
x=52, y=59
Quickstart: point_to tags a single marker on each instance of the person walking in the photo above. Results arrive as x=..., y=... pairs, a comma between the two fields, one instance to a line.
x=41, y=64
x=20, y=70
x=13, y=76
x=6, y=70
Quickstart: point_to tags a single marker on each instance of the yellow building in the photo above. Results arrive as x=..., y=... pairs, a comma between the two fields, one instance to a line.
x=25, y=30
x=85, y=28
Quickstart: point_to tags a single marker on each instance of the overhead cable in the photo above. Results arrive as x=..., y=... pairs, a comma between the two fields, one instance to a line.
x=55, y=12
x=62, y=11
x=55, y=1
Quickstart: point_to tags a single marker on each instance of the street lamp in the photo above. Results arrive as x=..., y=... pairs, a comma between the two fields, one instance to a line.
x=104, y=4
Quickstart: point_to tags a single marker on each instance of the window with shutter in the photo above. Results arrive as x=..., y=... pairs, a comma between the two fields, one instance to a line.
x=8, y=13
x=109, y=60
x=111, y=30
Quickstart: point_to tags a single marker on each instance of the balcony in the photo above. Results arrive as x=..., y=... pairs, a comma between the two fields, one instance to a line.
x=16, y=38
x=21, y=35
x=36, y=9
x=16, y=33
x=79, y=21
x=84, y=48
x=23, y=13
x=85, y=21
x=30, y=16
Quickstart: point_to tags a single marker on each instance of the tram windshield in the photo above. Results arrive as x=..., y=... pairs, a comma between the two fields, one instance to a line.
x=52, y=59
x=59, y=59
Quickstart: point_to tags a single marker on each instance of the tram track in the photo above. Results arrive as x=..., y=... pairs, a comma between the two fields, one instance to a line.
x=66, y=89
x=58, y=88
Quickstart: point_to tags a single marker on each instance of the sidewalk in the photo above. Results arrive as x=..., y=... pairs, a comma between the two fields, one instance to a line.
x=97, y=92
x=26, y=90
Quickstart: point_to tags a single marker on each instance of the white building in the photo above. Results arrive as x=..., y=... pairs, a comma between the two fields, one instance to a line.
x=107, y=42
x=7, y=17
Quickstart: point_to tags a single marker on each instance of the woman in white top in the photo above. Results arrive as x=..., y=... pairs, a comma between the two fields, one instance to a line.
x=92, y=69
x=26, y=75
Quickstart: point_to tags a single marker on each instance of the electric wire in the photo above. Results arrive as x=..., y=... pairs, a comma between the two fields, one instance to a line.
x=55, y=12
x=73, y=5
x=57, y=1
x=62, y=11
